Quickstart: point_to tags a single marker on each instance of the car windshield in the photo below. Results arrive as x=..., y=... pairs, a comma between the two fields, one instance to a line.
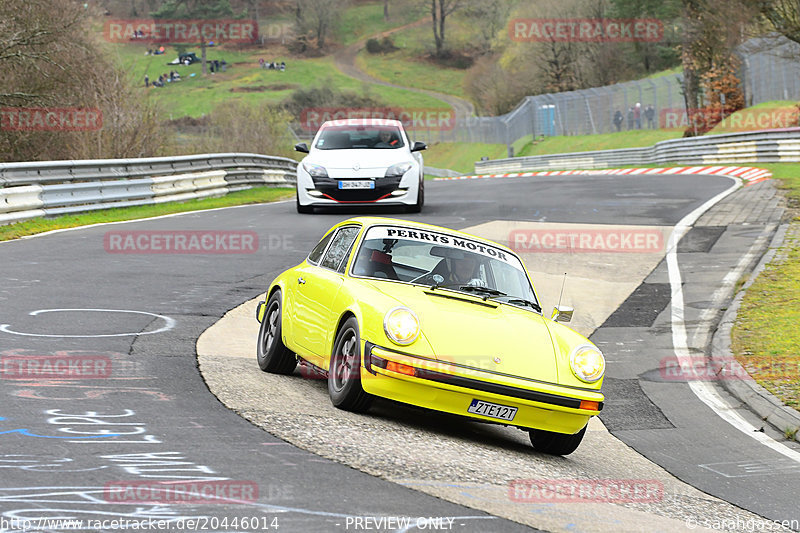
x=381, y=137
x=442, y=260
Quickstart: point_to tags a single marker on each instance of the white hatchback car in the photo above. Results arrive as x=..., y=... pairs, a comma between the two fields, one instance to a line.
x=361, y=162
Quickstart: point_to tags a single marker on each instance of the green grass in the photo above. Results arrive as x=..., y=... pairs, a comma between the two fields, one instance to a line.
x=365, y=20
x=788, y=176
x=408, y=67
x=246, y=81
x=775, y=114
x=765, y=337
x=398, y=67
x=603, y=141
x=461, y=157
x=40, y=225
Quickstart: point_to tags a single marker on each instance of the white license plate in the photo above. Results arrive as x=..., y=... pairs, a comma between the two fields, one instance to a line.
x=357, y=184
x=493, y=410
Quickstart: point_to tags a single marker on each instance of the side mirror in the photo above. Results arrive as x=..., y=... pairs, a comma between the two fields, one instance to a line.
x=562, y=313
x=419, y=146
x=301, y=147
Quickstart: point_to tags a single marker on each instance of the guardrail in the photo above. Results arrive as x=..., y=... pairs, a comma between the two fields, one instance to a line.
x=50, y=188
x=440, y=172
x=771, y=146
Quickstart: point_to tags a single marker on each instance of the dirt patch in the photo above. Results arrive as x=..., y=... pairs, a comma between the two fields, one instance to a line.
x=452, y=59
x=264, y=88
x=185, y=123
x=250, y=89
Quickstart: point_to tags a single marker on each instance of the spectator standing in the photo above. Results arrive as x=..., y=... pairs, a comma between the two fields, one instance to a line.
x=630, y=118
x=650, y=114
x=637, y=115
x=146, y=81
x=618, y=120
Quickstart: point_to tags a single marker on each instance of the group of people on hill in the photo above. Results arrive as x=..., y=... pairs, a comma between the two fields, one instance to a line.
x=635, y=113
x=272, y=65
x=162, y=79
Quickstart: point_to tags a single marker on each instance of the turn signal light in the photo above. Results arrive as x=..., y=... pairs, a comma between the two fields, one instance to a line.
x=400, y=368
x=590, y=405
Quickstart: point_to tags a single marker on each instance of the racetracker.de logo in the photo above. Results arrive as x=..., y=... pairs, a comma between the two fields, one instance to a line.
x=181, y=31
x=702, y=368
x=180, y=242
x=623, y=240
x=50, y=119
x=586, y=490
x=748, y=120
x=58, y=366
x=586, y=30
x=192, y=492
x=420, y=118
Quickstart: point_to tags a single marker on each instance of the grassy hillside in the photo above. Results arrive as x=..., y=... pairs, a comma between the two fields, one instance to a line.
x=583, y=143
x=768, y=115
x=244, y=80
x=461, y=156
x=408, y=65
x=361, y=21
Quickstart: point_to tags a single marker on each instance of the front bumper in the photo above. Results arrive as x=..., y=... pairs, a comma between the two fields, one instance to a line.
x=326, y=192
x=444, y=387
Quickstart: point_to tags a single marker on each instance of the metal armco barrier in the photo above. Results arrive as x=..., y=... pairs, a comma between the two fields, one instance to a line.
x=50, y=188
x=774, y=146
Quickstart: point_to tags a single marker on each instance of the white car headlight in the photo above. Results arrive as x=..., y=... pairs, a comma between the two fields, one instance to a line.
x=587, y=363
x=401, y=325
x=315, y=171
x=398, y=170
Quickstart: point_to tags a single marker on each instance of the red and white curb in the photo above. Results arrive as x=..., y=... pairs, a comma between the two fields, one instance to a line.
x=749, y=175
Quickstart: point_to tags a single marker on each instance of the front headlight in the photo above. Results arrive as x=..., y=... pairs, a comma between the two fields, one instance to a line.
x=315, y=171
x=401, y=325
x=398, y=170
x=587, y=363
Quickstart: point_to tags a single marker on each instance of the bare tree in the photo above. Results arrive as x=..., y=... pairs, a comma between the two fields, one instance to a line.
x=50, y=58
x=440, y=10
x=783, y=16
x=711, y=32
x=489, y=17
x=317, y=17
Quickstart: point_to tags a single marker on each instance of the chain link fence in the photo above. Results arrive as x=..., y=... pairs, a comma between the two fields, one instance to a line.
x=771, y=70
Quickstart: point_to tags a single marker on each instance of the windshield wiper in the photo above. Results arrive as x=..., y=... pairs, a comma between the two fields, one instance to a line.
x=470, y=288
x=513, y=299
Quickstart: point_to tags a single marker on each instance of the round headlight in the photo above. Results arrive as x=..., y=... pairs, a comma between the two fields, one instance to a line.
x=401, y=325
x=587, y=363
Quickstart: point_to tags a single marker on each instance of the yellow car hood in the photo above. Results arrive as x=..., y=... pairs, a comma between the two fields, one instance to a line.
x=465, y=330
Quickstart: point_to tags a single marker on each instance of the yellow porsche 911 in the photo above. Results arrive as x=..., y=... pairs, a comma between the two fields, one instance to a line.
x=434, y=318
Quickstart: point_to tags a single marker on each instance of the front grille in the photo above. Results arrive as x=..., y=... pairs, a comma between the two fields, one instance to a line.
x=330, y=187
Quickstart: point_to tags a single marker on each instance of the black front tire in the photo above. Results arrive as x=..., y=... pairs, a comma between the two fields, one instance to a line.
x=344, y=374
x=417, y=207
x=272, y=355
x=303, y=209
x=555, y=443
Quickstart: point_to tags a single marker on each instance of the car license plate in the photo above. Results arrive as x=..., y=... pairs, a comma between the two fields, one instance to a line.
x=493, y=410
x=357, y=184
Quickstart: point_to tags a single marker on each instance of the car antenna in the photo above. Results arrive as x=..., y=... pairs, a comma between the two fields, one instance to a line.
x=563, y=282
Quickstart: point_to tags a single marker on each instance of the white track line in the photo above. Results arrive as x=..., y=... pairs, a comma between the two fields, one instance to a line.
x=703, y=389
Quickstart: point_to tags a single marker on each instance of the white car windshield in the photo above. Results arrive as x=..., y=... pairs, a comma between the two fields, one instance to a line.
x=443, y=260
x=347, y=137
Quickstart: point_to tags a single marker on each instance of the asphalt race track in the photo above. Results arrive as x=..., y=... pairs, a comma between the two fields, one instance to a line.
x=142, y=413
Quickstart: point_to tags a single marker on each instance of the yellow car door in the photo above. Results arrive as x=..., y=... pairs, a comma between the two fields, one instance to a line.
x=316, y=291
